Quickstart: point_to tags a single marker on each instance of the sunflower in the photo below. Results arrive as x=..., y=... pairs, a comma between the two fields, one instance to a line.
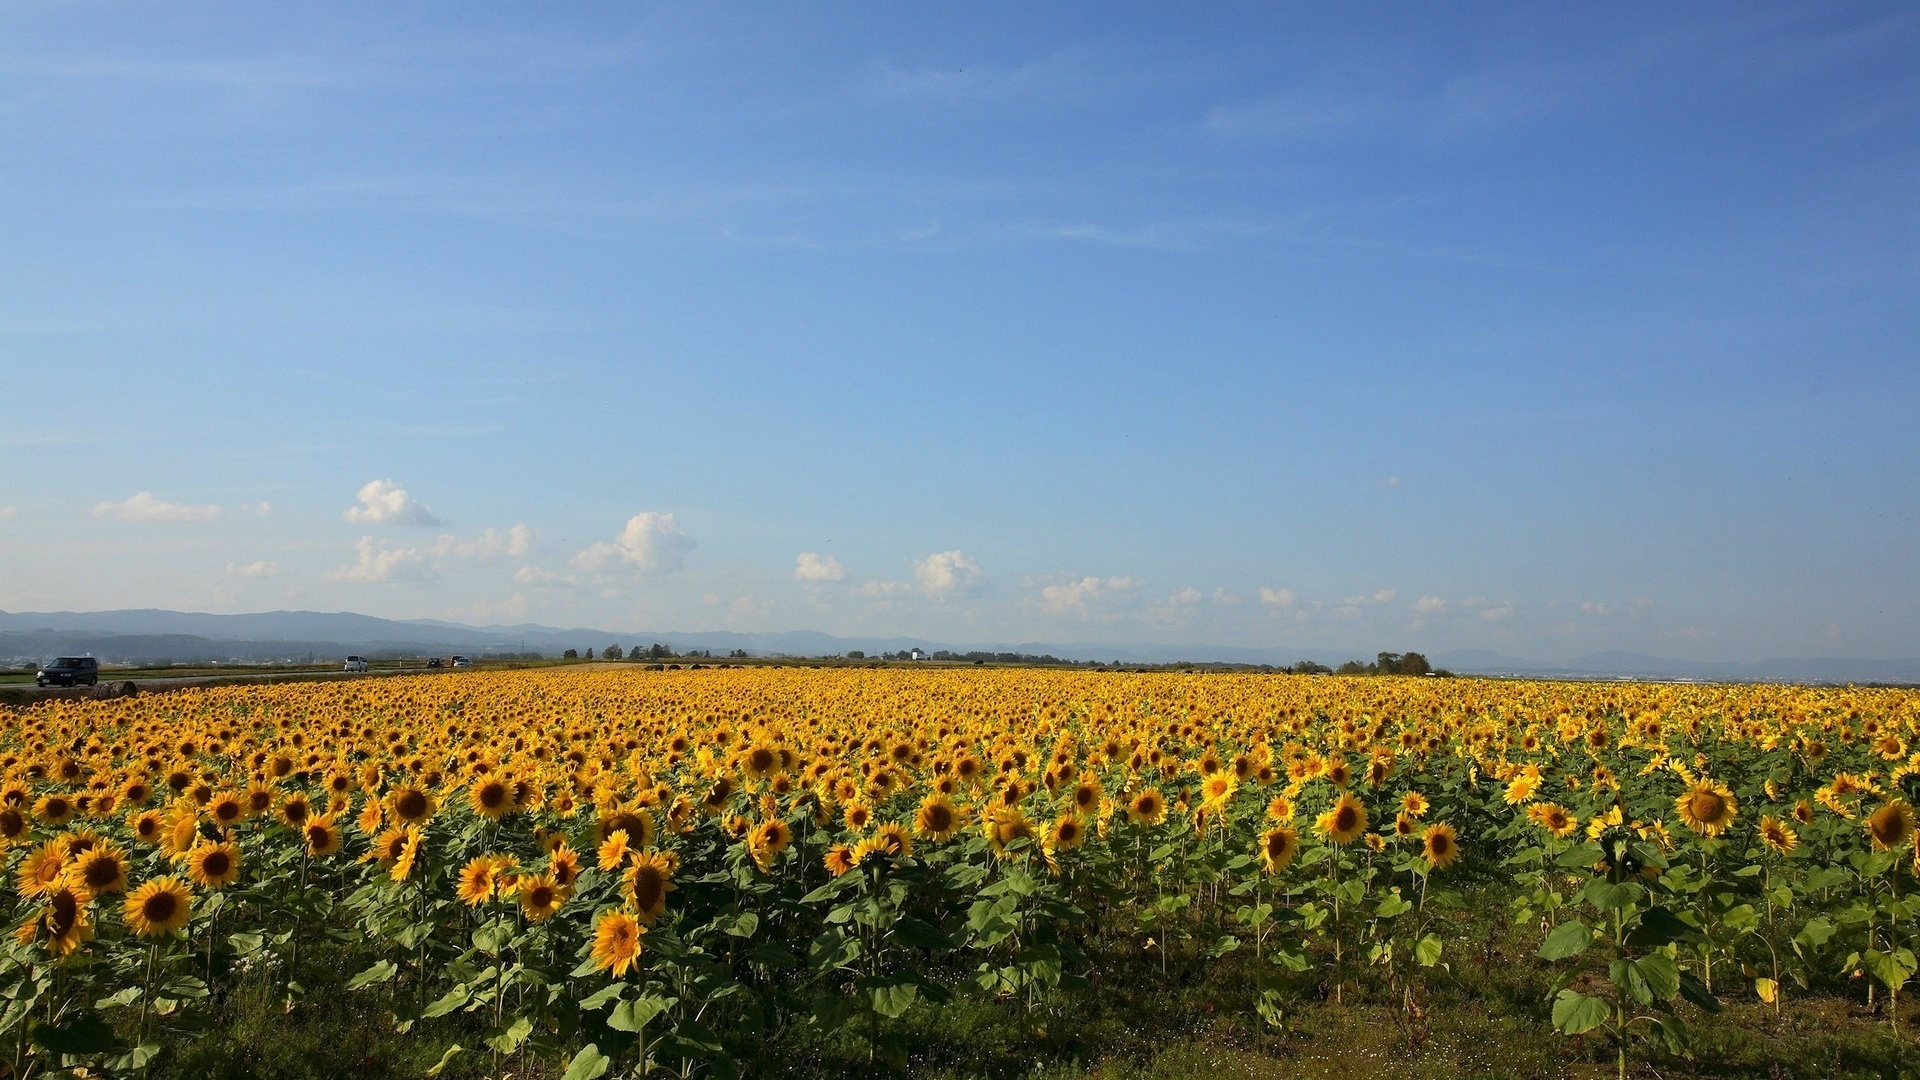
x=771, y=836
x=227, y=809
x=53, y=810
x=1344, y=821
x=839, y=860
x=1522, y=787
x=1891, y=826
x=937, y=819
x=1803, y=812
x=387, y=847
x=159, y=907
x=368, y=820
x=402, y=867
x=492, y=798
x=616, y=942
x=1067, y=832
x=1149, y=807
x=1086, y=795
x=1280, y=808
x=66, y=919
x=541, y=897
x=613, y=851
x=1217, y=789
x=858, y=815
x=13, y=825
x=1707, y=807
x=294, y=811
x=480, y=878
x=1778, y=835
x=1442, y=846
x=1415, y=805
x=1554, y=818
x=648, y=881
x=411, y=804
x=1005, y=825
x=323, y=837
x=1278, y=846
x=40, y=873
x=899, y=843
x=99, y=870
x=564, y=864
x=214, y=866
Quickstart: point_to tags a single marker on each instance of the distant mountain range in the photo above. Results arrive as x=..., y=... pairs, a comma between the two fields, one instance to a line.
x=146, y=635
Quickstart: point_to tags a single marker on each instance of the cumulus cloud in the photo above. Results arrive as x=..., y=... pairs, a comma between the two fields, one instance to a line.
x=534, y=577
x=817, y=569
x=1591, y=607
x=1387, y=483
x=1495, y=614
x=516, y=542
x=946, y=572
x=261, y=569
x=1429, y=605
x=1280, y=598
x=7, y=512
x=144, y=507
x=651, y=545
x=884, y=590
x=379, y=563
x=259, y=509
x=382, y=502
x=1075, y=597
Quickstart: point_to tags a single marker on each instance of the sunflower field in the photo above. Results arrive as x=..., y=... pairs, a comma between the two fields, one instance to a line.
x=585, y=873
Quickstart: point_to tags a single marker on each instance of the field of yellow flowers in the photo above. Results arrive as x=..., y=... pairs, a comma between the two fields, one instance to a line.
x=589, y=873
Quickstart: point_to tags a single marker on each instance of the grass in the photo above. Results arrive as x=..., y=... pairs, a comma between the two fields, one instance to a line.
x=1484, y=1014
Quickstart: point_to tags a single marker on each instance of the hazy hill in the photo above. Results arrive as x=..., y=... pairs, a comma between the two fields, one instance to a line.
x=149, y=634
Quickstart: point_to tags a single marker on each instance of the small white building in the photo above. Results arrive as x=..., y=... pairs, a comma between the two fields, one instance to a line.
x=916, y=654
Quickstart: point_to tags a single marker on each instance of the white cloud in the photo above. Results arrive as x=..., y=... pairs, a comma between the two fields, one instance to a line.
x=516, y=542
x=7, y=512
x=379, y=563
x=1429, y=605
x=536, y=578
x=651, y=545
x=1186, y=596
x=816, y=569
x=1387, y=483
x=144, y=507
x=884, y=590
x=1495, y=614
x=384, y=503
x=1074, y=597
x=1385, y=596
x=261, y=569
x=946, y=572
x=1223, y=597
x=1280, y=598
x=1592, y=608
x=259, y=509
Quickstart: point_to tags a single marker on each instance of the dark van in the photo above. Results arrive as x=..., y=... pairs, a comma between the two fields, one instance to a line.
x=70, y=671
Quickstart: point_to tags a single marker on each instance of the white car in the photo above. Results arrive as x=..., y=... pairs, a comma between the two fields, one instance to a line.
x=461, y=661
x=356, y=663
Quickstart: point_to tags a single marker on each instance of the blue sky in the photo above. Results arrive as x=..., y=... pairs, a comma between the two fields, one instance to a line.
x=1542, y=329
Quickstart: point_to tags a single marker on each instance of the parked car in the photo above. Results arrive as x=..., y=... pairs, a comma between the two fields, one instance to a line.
x=462, y=661
x=70, y=671
x=356, y=663
x=433, y=661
